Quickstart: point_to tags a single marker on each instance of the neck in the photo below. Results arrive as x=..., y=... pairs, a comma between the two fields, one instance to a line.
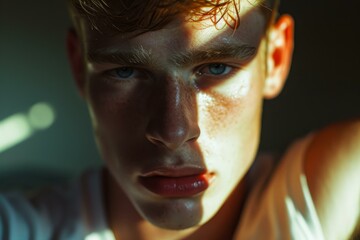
x=126, y=223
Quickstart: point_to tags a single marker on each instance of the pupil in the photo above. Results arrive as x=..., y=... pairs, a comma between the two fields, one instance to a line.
x=217, y=69
x=124, y=72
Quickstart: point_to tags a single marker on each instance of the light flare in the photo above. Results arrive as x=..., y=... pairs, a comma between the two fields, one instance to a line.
x=21, y=126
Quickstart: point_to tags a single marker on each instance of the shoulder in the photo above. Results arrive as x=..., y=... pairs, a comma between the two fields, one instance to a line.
x=332, y=166
x=278, y=201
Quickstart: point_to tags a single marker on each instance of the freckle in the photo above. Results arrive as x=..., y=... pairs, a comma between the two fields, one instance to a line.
x=219, y=111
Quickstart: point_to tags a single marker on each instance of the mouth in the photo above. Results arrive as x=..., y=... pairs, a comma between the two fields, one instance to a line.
x=176, y=183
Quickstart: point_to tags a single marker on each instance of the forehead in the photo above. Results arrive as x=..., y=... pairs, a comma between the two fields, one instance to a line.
x=128, y=16
x=183, y=33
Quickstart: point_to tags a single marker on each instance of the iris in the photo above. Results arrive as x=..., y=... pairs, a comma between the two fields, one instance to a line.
x=124, y=72
x=217, y=68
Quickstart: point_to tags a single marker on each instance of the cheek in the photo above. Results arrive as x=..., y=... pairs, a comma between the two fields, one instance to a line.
x=115, y=105
x=223, y=111
x=118, y=115
x=106, y=101
x=216, y=112
x=230, y=124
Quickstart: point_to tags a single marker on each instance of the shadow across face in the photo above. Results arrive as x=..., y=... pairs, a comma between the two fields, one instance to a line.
x=176, y=115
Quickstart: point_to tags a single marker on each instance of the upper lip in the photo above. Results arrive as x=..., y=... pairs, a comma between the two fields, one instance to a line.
x=174, y=171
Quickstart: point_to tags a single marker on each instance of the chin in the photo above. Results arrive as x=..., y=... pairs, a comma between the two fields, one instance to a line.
x=172, y=213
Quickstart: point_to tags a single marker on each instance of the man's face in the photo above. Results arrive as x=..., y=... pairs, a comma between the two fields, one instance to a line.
x=176, y=112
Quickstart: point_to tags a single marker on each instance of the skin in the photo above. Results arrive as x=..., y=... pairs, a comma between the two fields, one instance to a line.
x=332, y=167
x=174, y=111
x=162, y=112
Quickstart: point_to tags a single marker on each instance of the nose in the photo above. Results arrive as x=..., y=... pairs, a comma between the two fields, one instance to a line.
x=174, y=120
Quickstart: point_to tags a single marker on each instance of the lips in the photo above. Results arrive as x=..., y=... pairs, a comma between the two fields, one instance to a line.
x=176, y=183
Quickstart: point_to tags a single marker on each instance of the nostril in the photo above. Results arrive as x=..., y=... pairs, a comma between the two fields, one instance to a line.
x=194, y=134
x=193, y=139
x=169, y=139
x=156, y=141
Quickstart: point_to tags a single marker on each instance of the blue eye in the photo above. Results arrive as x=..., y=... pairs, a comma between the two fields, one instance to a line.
x=124, y=72
x=217, y=68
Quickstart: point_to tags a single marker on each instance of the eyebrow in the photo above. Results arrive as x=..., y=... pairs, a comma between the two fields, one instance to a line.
x=216, y=52
x=137, y=56
x=141, y=56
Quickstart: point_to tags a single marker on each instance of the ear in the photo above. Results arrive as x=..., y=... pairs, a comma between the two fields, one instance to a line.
x=75, y=57
x=279, y=55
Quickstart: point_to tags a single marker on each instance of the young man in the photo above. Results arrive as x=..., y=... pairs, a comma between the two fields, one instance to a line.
x=175, y=91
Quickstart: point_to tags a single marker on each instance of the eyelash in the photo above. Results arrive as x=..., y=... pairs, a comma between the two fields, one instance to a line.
x=111, y=76
x=200, y=72
x=227, y=71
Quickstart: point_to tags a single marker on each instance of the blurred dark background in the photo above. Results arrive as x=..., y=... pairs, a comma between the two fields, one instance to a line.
x=33, y=69
x=324, y=83
x=323, y=86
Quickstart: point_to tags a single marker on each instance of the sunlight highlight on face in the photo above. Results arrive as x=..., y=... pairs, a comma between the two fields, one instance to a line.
x=221, y=22
x=192, y=80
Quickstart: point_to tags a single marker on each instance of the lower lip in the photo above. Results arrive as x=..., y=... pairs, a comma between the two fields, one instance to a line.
x=176, y=186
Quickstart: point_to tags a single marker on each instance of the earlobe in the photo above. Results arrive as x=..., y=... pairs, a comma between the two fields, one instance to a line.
x=279, y=55
x=75, y=57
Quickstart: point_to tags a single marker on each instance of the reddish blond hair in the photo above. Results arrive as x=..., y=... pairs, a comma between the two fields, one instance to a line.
x=147, y=15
